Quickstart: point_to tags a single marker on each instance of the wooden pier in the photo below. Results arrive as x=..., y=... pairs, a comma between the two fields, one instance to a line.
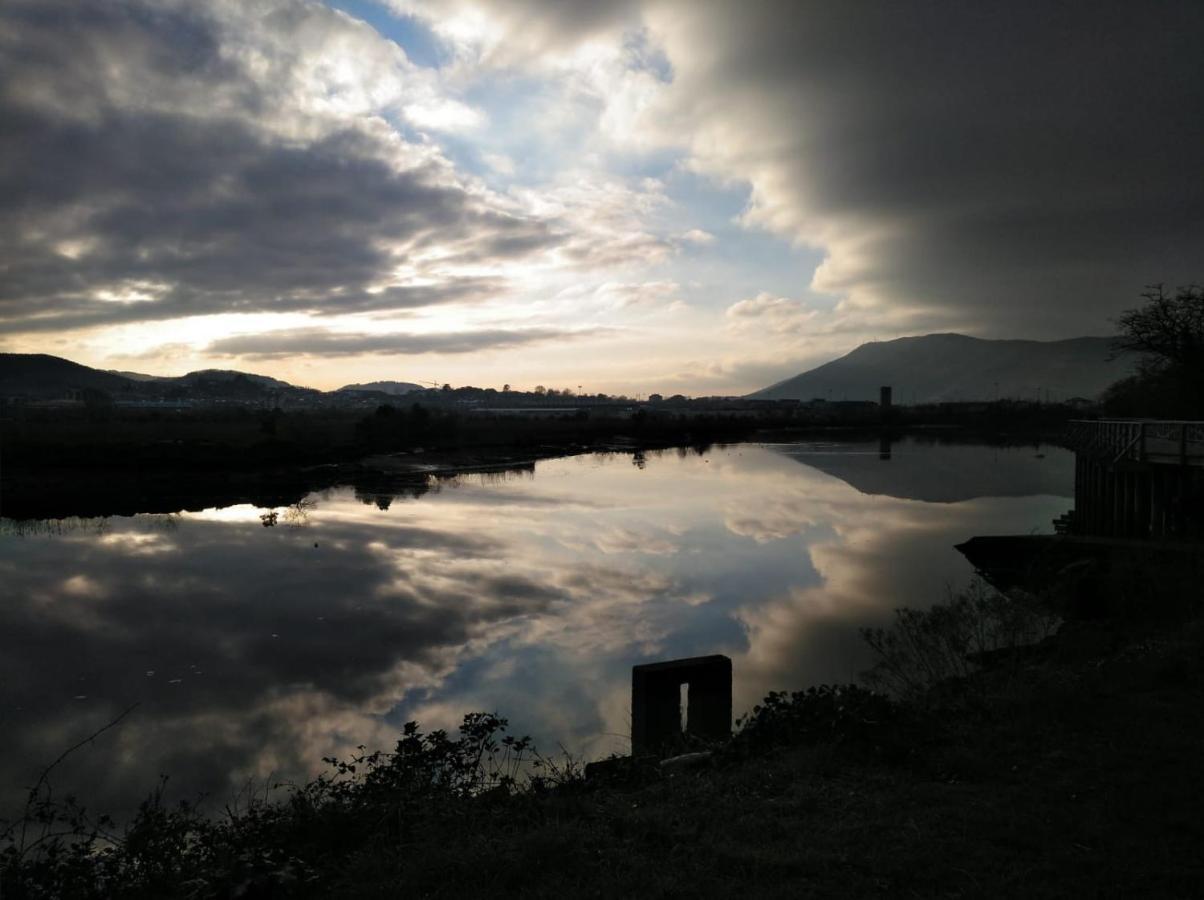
x=1137, y=478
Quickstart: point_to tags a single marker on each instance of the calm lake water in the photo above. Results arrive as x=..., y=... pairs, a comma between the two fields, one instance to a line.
x=255, y=651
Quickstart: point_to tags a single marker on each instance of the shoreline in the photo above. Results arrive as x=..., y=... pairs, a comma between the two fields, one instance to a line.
x=229, y=478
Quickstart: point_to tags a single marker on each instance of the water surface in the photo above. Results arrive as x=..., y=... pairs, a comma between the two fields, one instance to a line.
x=252, y=652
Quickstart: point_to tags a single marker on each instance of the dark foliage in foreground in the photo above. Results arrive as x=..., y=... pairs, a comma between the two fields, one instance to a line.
x=371, y=810
x=842, y=714
x=1167, y=334
x=430, y=783
x=1072, y=773
x=949, y=642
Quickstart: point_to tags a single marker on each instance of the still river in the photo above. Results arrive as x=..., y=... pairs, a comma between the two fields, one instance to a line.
x=252, y=652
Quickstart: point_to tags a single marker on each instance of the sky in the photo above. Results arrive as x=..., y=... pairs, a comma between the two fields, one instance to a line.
x=674, y=195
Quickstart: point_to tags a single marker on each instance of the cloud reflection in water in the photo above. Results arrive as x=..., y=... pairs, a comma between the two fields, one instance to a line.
x=256, y=651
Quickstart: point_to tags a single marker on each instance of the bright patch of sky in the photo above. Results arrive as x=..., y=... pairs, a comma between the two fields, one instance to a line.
x=537, y=128
x=421, y=44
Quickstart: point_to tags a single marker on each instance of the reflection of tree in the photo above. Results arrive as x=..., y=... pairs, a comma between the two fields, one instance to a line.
x=381, y=489
x=298, y=513
x=68, y=525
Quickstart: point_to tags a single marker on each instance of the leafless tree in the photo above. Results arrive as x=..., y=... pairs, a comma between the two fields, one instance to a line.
x=1168, y=331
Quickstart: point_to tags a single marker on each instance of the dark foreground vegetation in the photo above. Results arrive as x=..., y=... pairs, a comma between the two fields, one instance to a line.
x=1013, y=745
x=1166, y=334
x=245, y=437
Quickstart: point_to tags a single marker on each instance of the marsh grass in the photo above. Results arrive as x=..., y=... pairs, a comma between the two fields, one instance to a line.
x=954, y=639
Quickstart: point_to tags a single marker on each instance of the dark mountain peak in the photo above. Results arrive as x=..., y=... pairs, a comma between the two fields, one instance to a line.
x=948, y=366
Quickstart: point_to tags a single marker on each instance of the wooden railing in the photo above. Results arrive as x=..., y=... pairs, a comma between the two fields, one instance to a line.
x=1159, y=441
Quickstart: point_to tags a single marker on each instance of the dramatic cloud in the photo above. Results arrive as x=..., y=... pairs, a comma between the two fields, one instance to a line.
x=1018, y=170
x=169, y=159
x=521, y=32
x=319, y=342
x=779, y=315
x=1012, y=171
x=648, y=294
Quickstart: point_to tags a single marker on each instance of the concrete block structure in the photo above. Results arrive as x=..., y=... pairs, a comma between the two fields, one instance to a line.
x=656, y=707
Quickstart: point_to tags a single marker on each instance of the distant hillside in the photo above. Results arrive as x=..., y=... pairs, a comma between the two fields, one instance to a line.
x=136, y=376
x=208, y=377
x=384, y=387
x=40, y=375
x=944, y=367
x=220, y=376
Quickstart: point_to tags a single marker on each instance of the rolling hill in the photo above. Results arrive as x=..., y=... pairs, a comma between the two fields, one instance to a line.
x=937, y=368
x=383, y=387
x=41, y=375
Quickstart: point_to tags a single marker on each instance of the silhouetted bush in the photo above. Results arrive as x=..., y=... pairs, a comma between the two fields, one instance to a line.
x=950, y=640
x=429, y=784
x=842, y=714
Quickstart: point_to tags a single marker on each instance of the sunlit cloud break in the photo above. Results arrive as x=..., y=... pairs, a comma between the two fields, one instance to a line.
x=317, y=342
x=636, y=173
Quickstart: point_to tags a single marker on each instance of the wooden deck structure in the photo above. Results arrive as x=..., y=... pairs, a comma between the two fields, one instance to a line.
x=1139, y=478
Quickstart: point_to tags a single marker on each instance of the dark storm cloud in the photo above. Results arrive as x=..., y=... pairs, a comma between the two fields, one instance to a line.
x=1023, y=166
x=135, y=155
x=319, y=342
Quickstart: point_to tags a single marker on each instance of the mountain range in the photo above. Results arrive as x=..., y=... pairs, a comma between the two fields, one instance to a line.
x=925, y=369
x=38, y=376
x=936, y=368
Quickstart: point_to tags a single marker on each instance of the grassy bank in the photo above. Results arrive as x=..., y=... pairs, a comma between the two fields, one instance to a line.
x=1065, y=767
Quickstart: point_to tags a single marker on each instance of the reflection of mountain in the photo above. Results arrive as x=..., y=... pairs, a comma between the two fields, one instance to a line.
x=942, y=473
x=942, y=367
